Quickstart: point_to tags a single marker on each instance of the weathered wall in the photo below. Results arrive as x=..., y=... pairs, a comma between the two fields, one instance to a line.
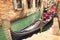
x=58, y=9
x=7, y=10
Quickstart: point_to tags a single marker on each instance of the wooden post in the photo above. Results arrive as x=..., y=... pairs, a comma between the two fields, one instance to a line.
x=42, y=8
x=6, y=27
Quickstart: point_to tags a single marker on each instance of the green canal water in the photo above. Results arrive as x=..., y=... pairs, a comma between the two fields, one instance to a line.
x=2, y=34
x=23, y=23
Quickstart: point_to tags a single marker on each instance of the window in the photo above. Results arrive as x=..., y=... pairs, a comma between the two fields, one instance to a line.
x=18, y=4
x=29, y=2
x=37, y=3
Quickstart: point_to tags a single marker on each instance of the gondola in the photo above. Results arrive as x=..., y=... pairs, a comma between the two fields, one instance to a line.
x=47, y=15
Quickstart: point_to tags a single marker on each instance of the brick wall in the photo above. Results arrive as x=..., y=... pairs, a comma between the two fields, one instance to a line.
x=7, y=10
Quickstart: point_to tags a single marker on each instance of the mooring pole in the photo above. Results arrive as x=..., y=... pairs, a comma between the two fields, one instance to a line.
x=42, y=9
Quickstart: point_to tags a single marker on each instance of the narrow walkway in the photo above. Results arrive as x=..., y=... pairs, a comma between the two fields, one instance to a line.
x=47, y=35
